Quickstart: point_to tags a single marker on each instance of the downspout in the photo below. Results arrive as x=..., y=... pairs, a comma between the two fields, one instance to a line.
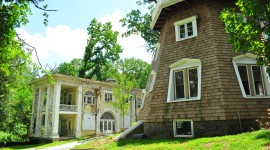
x=240, y=125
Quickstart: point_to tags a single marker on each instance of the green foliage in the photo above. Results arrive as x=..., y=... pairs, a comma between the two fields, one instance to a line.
x=122, y=93
x=138, y=23
x=70, y=68
x=248, y=28
x=134, y=70
x=101, y=49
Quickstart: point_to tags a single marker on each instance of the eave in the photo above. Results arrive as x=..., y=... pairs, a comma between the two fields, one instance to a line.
x=161, y=4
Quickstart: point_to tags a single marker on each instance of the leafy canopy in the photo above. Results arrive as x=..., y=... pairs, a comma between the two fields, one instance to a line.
x=102, y=47
x=248, y=28
x=138, y=23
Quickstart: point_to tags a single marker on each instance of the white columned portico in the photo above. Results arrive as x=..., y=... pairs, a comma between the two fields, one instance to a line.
x=78, y=132
x=55, y=112
x=48, y=101
x=38, y=130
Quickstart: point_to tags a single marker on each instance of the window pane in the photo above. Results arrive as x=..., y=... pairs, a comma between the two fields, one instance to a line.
x=183, y=128
x=179, y=85
x=105, y=125
x=244, y=77
x=193, y=82
x=182, y=31
x=101, y=126
x=189, y=29
x=257, y=77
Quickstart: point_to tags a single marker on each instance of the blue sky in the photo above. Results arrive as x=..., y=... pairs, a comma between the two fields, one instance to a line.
x=65, y=36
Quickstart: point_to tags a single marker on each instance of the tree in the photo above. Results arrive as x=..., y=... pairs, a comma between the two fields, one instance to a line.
x=15, y=93
x=69, y=68
x=121, y=93
x=134, y=70
x=101, y=48
x=248, y=28
x=138, y=23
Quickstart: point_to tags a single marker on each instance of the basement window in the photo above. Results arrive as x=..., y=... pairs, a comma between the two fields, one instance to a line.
x=186, y=28
x=183, y=128
x=253, y=80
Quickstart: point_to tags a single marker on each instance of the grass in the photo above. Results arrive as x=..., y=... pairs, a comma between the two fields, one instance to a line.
x=42, y=145
x=250, y=140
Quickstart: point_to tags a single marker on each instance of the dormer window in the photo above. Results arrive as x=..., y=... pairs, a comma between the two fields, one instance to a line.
x=186, y=28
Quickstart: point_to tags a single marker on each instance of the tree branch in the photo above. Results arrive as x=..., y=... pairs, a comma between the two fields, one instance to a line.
x=37, y=6
x=33, y=48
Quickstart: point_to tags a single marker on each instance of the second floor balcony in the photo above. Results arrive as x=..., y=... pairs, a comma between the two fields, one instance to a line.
x=70, y=108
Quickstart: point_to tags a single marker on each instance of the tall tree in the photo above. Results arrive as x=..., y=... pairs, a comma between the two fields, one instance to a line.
x=248, y=28
x=101, y=48
x=134, y=70
x=138, y=23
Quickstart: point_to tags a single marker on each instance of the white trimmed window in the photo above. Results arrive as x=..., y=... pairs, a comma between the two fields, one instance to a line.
x=66, y=98
x=108, y=96
x=183, y=128
x=253, y=80
x=89, y=98
x=185, y=80
x=186, y=28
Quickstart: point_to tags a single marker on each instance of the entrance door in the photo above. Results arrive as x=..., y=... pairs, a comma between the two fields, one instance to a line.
x=107, y=123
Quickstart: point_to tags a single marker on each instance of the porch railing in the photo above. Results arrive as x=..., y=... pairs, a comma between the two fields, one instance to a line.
x=64, y=107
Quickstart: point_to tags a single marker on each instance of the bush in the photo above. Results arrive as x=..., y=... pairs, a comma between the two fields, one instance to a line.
x=4, y=137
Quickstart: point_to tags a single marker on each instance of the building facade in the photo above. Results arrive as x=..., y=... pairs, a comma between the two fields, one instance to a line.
x=198, y=86
x=76, y=107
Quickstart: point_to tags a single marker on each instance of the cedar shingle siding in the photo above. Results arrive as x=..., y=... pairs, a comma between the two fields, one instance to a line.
x=221, y=97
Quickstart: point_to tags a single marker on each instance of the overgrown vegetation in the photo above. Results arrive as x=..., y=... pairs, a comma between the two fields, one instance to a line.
x=251, y=140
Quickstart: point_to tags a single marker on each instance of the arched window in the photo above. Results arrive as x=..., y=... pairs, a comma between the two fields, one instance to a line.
x=89, y=98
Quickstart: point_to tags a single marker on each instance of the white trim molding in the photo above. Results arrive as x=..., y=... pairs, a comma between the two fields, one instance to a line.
x=158, y=8
x=185, y=63
x=249, y=59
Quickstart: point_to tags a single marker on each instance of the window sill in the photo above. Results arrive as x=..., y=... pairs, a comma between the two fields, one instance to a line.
x=182, y=39
x=258, y=97
x=184, y=136
x=184, y=100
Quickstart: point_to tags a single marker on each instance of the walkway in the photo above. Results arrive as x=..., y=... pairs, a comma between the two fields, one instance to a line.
x=65, y=146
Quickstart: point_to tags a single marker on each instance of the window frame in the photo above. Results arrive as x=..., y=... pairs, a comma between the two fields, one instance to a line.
x=108, y=92
x=184, y=22
x=188, y=64
x=86, y=96
x=250, y=59
x=183, y=120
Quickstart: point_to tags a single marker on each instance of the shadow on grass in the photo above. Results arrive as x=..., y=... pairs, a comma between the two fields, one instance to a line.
x=265, y=134
x=149, y=141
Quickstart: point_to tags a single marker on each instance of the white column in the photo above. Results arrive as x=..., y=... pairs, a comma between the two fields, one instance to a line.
x=55, y=114
x=38, y=129
x=48, y=101
x=33, y=112
x=78, y=132
x=98, y=115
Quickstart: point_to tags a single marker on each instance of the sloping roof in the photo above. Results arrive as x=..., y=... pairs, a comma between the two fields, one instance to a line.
x=161, y=4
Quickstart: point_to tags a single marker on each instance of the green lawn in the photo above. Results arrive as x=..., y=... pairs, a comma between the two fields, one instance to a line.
x=42, y=145
x=251, y=140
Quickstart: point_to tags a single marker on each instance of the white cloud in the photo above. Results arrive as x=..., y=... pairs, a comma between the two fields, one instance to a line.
x=60, y=43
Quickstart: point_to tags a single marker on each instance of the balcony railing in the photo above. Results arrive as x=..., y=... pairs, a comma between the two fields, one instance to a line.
x=64, y=107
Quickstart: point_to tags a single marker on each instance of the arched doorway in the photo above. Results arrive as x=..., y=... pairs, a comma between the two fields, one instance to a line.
x=107, y=123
